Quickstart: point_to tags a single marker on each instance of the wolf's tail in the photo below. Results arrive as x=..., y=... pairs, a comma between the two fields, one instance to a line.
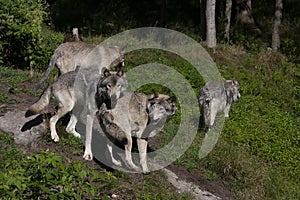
x=111, y=129
x=50, y=67
x=117, y=133
x=40, y=104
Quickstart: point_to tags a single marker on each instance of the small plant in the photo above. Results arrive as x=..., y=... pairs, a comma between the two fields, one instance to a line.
x=47, y=175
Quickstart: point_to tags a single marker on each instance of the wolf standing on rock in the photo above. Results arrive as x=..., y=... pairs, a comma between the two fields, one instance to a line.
x=216, y=97
x=107, y=89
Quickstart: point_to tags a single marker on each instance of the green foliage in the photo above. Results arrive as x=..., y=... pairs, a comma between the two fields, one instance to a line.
x=6, y=99
x=258, y=151
x=47, y=175
x=50, y=40
x=263, y=125
x=20, y=31
x=14, y=79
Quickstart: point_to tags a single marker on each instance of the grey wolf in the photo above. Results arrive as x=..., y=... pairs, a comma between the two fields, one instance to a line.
x=132, y=114
x=71, y=54
x=216, y=97
x=107, y=89
x=161, y=109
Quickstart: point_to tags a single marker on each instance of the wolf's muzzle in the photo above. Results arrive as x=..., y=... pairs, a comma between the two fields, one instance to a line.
x=113, y=101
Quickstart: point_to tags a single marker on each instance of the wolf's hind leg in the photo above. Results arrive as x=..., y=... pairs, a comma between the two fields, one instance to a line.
x=211, y=115
x=71, y=126
x=65, y=105
x=128, y=157
x=207, y=116
x=53, y=120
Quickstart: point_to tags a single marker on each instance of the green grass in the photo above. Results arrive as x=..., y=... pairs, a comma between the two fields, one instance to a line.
x=258, y=151
x=13, y=79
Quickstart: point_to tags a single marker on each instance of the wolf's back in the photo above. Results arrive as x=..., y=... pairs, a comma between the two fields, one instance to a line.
x=40, y=104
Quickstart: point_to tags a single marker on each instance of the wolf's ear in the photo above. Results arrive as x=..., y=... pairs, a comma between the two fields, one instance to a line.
x=124, y=50
x=120, y=70
x=105, y=72
x=156, y=94
x=150, y=96
x=234, y=82
x=224, y=80
x=172, y=99
x=77, y=68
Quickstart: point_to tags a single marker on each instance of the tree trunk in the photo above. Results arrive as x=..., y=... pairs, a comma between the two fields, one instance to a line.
x=203, y=19
x=211, y=24
x=228, y=17
x=277, y=23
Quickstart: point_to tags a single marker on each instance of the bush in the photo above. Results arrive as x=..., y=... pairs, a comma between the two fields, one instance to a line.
x=20, y=31
x=50, y=41
x=47, y=175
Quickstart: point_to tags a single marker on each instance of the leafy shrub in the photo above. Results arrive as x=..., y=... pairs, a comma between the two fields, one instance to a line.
x=50, y=176
x=50, y=40
x=47, y=175
x=20, y=31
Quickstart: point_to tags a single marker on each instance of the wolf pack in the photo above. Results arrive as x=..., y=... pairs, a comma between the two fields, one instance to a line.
x=101, y=94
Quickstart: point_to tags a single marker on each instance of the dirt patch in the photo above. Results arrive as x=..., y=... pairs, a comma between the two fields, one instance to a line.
x=217, y=187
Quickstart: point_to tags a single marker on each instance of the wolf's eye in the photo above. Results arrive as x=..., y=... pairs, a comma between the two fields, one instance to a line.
x=161, y=109
x=108, y=85
x=118, y=85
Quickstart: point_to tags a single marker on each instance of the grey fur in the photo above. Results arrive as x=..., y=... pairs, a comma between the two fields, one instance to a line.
x=133, y=114
x=108, y=88
x=216, y=97
x=71, y=54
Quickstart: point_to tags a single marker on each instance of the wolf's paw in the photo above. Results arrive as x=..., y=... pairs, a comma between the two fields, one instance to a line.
x=76, y=134
x=133, y=166
x=55, y=138
x=117, y=162
x=88, y=156
x=145, y=170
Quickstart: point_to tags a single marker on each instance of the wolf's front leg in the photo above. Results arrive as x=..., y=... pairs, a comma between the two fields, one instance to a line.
x=226, y=111
x=114, y=161
x=88, y=138
x=142, y=146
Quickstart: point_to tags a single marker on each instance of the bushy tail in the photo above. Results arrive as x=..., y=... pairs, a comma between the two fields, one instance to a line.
x=50, y=67
x=112, y=130
x=40, y=104
x=205, y=99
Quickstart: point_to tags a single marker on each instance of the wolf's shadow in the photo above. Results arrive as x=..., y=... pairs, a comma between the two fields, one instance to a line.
x=35, y=121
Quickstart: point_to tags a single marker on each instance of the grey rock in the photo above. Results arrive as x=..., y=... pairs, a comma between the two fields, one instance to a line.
x=26, y=131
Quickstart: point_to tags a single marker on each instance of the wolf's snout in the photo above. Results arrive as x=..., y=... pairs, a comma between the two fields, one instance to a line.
x=113, y=101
